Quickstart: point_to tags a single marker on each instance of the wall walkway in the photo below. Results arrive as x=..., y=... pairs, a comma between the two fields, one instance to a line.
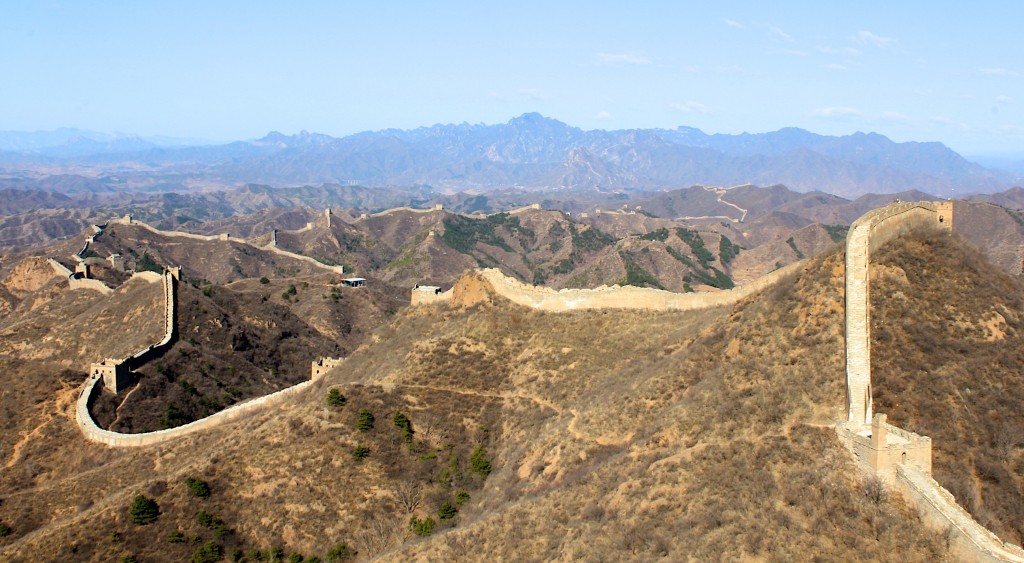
x=615, y=297
x=270, y=247
x=910, y=474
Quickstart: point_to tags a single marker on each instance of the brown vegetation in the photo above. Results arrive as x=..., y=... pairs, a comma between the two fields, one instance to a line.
x=609, y=435
x=947, y=346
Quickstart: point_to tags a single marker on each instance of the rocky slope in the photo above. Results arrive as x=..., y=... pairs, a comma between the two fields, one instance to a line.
x=589, y=435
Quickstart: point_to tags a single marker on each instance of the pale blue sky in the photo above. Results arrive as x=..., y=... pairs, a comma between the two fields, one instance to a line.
x=914, y=71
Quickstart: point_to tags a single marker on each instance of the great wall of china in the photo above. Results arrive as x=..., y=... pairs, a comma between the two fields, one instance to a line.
x=900, y=458
x=615, y=297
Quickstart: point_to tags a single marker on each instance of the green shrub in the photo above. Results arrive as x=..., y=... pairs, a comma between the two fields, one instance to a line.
x=478, y=461
x=115, y=537
x=5, y=530
x=175, y=536
x=335, y=398
x=144, y=510
x=461, y=496
x=264, y=280
x=129, y=559
x=339, y=552
x=659, y=235
x=446, y=511
x=209, y=553
x=295, y=558
x=360, y=452
x=423, y=527
x=147, y=264
x=198, y=487
x=403, y=423
x=792, y=244
x=727, y=250
x=696, y=243
x=365, y=421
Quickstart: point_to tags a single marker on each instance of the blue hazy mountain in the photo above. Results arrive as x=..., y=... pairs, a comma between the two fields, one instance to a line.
x=539, y=153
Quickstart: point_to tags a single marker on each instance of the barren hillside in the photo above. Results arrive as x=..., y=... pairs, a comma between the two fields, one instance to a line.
x=947, y=346
x=591, y=435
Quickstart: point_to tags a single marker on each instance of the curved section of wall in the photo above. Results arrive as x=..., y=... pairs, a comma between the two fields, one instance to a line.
x=274, y=248
x=75, y=282
x=118, y=440
x=615, y=297
x=867, y=235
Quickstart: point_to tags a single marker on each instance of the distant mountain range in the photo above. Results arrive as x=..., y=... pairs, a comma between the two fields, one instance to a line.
x=530, y=152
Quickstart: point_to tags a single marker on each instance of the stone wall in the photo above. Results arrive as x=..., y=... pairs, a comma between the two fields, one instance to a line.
x=968, y=540
x=78, y=281
x=882, y=447
x=423, y=294
x=867, y=235
x=115, y=439
x=473, y=286
x=323, y=365
x=276, y=250
x=59, y=268
x=900, y=457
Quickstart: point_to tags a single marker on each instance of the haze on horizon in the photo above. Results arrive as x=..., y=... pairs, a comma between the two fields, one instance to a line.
x=236, y=70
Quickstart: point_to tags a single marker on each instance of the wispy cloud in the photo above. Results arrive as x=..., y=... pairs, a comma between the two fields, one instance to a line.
x=868, y=38
x=621, y=58
x=795, y=52
x=733, y=23
x=603, y=115
x=835, y=112
x=838, y=51
x=893, y=116
x=836, y=66
x=1003, y=99
x=534, y=94
x=731, y=69
x=776, y=32
x=690, y=107
x=531, y=94
x=997, y=71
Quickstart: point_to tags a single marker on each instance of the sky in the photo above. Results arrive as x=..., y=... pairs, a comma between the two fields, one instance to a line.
x=951, y=72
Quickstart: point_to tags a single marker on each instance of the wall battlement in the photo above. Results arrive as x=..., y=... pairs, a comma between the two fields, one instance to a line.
x=323, y=365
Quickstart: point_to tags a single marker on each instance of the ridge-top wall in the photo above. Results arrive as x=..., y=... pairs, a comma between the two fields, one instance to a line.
x=867, y=235
x=467, y=290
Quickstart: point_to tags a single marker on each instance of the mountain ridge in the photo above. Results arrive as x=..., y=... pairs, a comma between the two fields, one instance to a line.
x=537, y=153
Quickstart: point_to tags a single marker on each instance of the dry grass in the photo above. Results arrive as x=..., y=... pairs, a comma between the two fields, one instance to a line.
x=613, y=435
x=947, y=346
